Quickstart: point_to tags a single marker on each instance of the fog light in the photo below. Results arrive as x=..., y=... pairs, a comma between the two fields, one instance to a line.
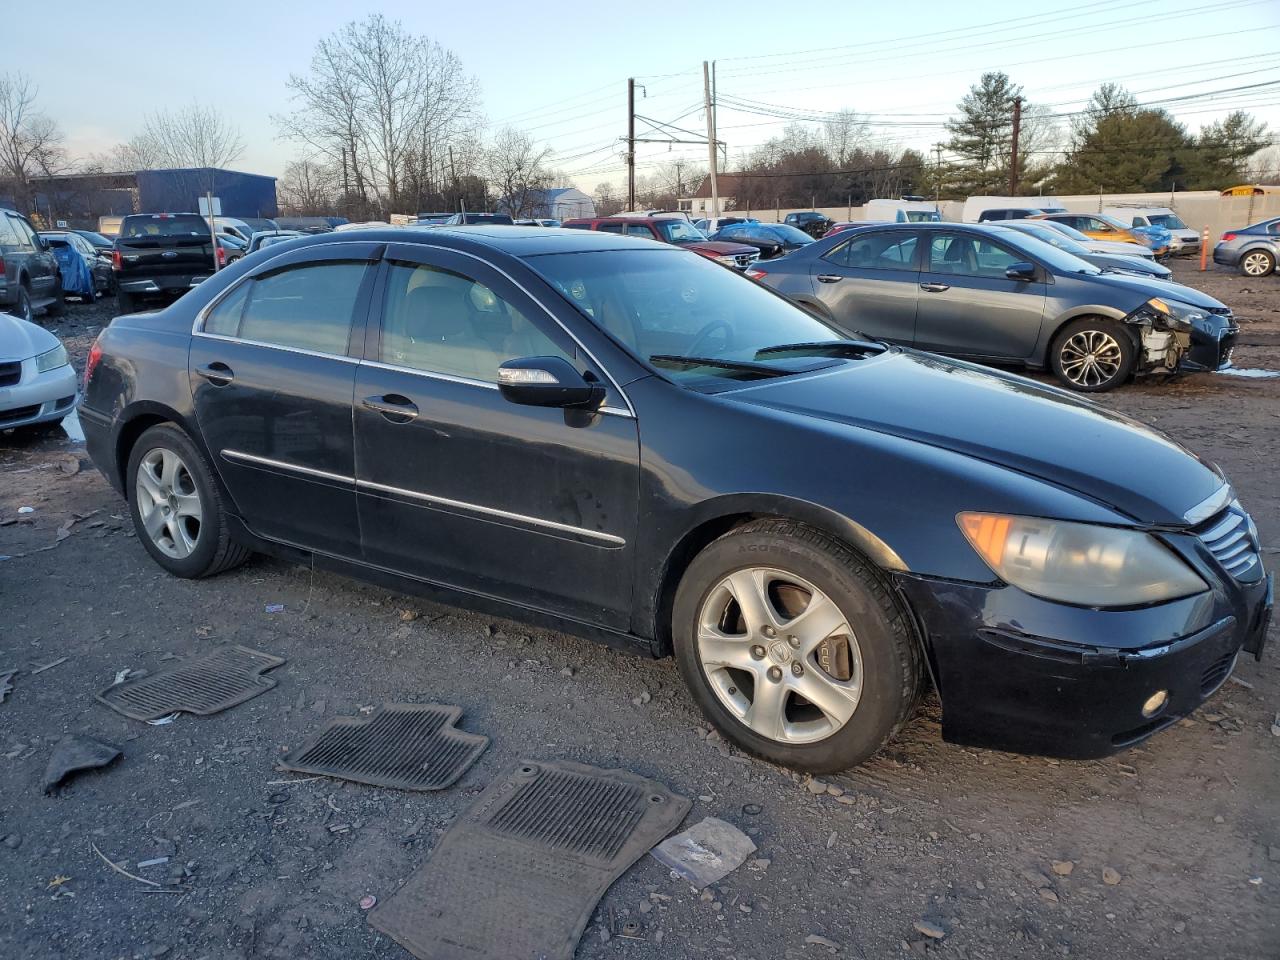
x=1155, y=703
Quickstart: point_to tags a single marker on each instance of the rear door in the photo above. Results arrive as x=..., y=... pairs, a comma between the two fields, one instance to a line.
x=968, y=307
x=460, y=487
x=870, y=284
x=273, y=372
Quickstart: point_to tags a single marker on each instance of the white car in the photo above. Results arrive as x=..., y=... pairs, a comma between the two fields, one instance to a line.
x=37, y=384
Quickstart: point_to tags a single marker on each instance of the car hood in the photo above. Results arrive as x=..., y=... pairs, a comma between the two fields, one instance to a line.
x=1151, y=287
x=20, y=340
x=1138, y=266
x=720, y=248
x=1006, y=420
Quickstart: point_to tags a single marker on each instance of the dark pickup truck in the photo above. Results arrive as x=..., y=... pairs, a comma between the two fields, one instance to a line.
x=162, y=255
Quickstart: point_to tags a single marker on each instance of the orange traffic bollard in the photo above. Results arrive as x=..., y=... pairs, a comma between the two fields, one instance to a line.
x=1204, y=250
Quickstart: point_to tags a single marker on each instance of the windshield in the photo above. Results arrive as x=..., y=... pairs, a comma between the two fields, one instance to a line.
x=1067, y=231
x=97, y=239
x=680, y=231
x=669, y=303
x=791, y=235
x=1118, y=224
x=179, y=225
x=1170, y=221
x=923, y=216
x=1051, y=237
x=1058, y=260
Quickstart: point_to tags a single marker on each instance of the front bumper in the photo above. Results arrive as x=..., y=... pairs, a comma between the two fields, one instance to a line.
x=38, y=397
x=1030, y=676
x=1211, y=347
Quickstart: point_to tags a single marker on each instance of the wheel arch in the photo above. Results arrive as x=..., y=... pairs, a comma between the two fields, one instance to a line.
x=716, y=518
x=141, y=417
x=1054, y=330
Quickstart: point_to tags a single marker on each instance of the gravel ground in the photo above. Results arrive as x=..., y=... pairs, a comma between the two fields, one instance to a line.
x=1168, y=850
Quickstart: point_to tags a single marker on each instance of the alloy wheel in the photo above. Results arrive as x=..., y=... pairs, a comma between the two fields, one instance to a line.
x=168, y=503
x=1090, y=358
x=779, y=655
x=1256, y=264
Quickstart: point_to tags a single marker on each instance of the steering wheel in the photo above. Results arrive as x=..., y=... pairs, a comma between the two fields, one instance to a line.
x=705, y=334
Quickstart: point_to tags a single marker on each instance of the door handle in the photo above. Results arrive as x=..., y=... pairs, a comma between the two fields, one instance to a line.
x=829, y=278
x=393, y=407
x=217, y=373
x=935, y=287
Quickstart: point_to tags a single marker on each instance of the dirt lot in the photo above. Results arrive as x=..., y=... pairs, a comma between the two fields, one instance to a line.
x=960, y=838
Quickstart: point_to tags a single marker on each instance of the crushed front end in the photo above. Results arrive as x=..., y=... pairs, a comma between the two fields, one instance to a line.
x=1180, y=337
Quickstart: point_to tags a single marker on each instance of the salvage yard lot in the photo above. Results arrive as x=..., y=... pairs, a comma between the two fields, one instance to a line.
x=1003, y=855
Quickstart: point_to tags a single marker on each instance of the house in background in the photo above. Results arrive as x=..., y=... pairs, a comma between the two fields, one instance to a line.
x=699, y=205
x=560, y=203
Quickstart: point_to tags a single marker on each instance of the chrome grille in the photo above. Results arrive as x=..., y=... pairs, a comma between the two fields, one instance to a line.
x=745, y=260
x=1233, y=540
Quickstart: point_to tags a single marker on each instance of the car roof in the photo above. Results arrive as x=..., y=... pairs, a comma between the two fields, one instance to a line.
x=512, y=240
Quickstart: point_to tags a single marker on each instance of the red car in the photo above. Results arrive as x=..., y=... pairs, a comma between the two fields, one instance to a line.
x=673, y=230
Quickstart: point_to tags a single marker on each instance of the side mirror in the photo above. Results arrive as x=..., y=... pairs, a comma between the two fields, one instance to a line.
x=1021, y=271
x=547, y=382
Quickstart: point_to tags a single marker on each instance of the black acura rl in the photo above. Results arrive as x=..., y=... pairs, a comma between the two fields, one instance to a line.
x=624, y=440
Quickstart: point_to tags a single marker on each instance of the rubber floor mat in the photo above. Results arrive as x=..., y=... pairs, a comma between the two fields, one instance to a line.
x=222, y=678
x=519, y=875
x=408, y=746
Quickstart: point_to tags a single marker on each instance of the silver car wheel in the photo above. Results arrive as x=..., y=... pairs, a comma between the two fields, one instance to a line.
x=1256, y=264
x=779, y=655
x=168, y=503
x=1090, y=358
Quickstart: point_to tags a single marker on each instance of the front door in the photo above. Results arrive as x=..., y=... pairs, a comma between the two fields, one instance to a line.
x=871, y=284
x=456, y=485
x=969, y=308
x=273, y=375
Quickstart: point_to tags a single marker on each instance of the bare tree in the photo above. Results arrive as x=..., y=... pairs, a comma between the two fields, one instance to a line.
x=308, y=189
x=607, y=200
x=30, y=142
x=516, y=168
x=844, y=133
x=195, y=136
x=382, y=107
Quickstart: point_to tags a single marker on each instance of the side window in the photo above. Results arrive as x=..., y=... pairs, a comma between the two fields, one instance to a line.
x=639, y=230
x=1096, y=225
x=224, y=318
x=438, y=321
x=612, y=227
x=307, y=307
x=969, y=257
x=877, y=251
x=1274, y=228
x=8, y=234
x=26, y=236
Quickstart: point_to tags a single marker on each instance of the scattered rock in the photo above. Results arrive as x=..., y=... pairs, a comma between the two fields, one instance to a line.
x=1179, y=927
x=75, y=753
x=754, y=809
x=1219, y=818
x=816, y=787
x=641, y=700
x=847, y=800
x=1063, y=868
x=1110, y=877
x=930, y=929
x=368, y=901
x=489, y=631
x=831, y=840
x=567, y=672
x=408, y=616
x=318, y=706
x=13, y=841
x=817, y=941
x=744, y=907
x=835, y=791
x=1048, y=895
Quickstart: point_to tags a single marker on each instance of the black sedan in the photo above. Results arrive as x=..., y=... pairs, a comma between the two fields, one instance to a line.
x=623, y=439
x=771, y=239
x=1000, y=296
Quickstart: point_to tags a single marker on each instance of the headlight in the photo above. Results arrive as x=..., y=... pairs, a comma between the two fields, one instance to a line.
x=51, y=359
x=1078, y=562
x=1177, y=315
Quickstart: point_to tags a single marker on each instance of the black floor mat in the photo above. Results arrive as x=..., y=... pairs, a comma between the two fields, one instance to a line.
x=520, y=874
x=220, y=679
x=408, y=746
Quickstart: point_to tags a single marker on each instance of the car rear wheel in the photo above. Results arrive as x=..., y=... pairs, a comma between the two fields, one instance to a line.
x=1257, y=263
x=22, y=309
x=1092, y=355
x=794, y=647
x=177, y=511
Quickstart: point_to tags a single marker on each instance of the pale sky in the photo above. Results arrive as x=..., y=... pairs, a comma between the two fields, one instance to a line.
x=558, y=70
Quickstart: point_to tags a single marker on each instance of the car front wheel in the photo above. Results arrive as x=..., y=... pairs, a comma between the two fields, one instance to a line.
x=1257, y=263
x=794, y=647
x=1092, y=355
x=177, y=511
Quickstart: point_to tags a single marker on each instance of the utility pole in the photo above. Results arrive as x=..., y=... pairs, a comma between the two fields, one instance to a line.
x=1013, y=150
x=631, y=143
x=937, y=178
x=711, y=137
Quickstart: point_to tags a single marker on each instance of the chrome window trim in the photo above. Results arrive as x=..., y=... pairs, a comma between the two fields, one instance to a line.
x=493, y=512
x=1210, y=505
x=252, y=458
x=467, y=381
x=545, y=309
x=276, y=346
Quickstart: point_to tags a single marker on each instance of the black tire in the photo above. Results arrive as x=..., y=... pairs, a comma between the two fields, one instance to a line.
x=1265, y=264
x=58, y=305
x=22, y=308
x=892, y=667
x=126, y=302
x=214, y=550
x=1116, y=350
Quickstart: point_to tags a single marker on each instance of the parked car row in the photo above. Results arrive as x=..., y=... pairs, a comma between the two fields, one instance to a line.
x=809, y=521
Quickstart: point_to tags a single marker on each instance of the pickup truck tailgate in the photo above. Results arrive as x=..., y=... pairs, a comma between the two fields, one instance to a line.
x=163, y=256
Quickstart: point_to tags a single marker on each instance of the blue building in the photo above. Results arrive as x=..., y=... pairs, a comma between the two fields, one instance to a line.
x=83, y=197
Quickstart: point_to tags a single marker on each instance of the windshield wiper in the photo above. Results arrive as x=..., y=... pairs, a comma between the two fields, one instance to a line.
x=746, y=366
x=824, y=348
